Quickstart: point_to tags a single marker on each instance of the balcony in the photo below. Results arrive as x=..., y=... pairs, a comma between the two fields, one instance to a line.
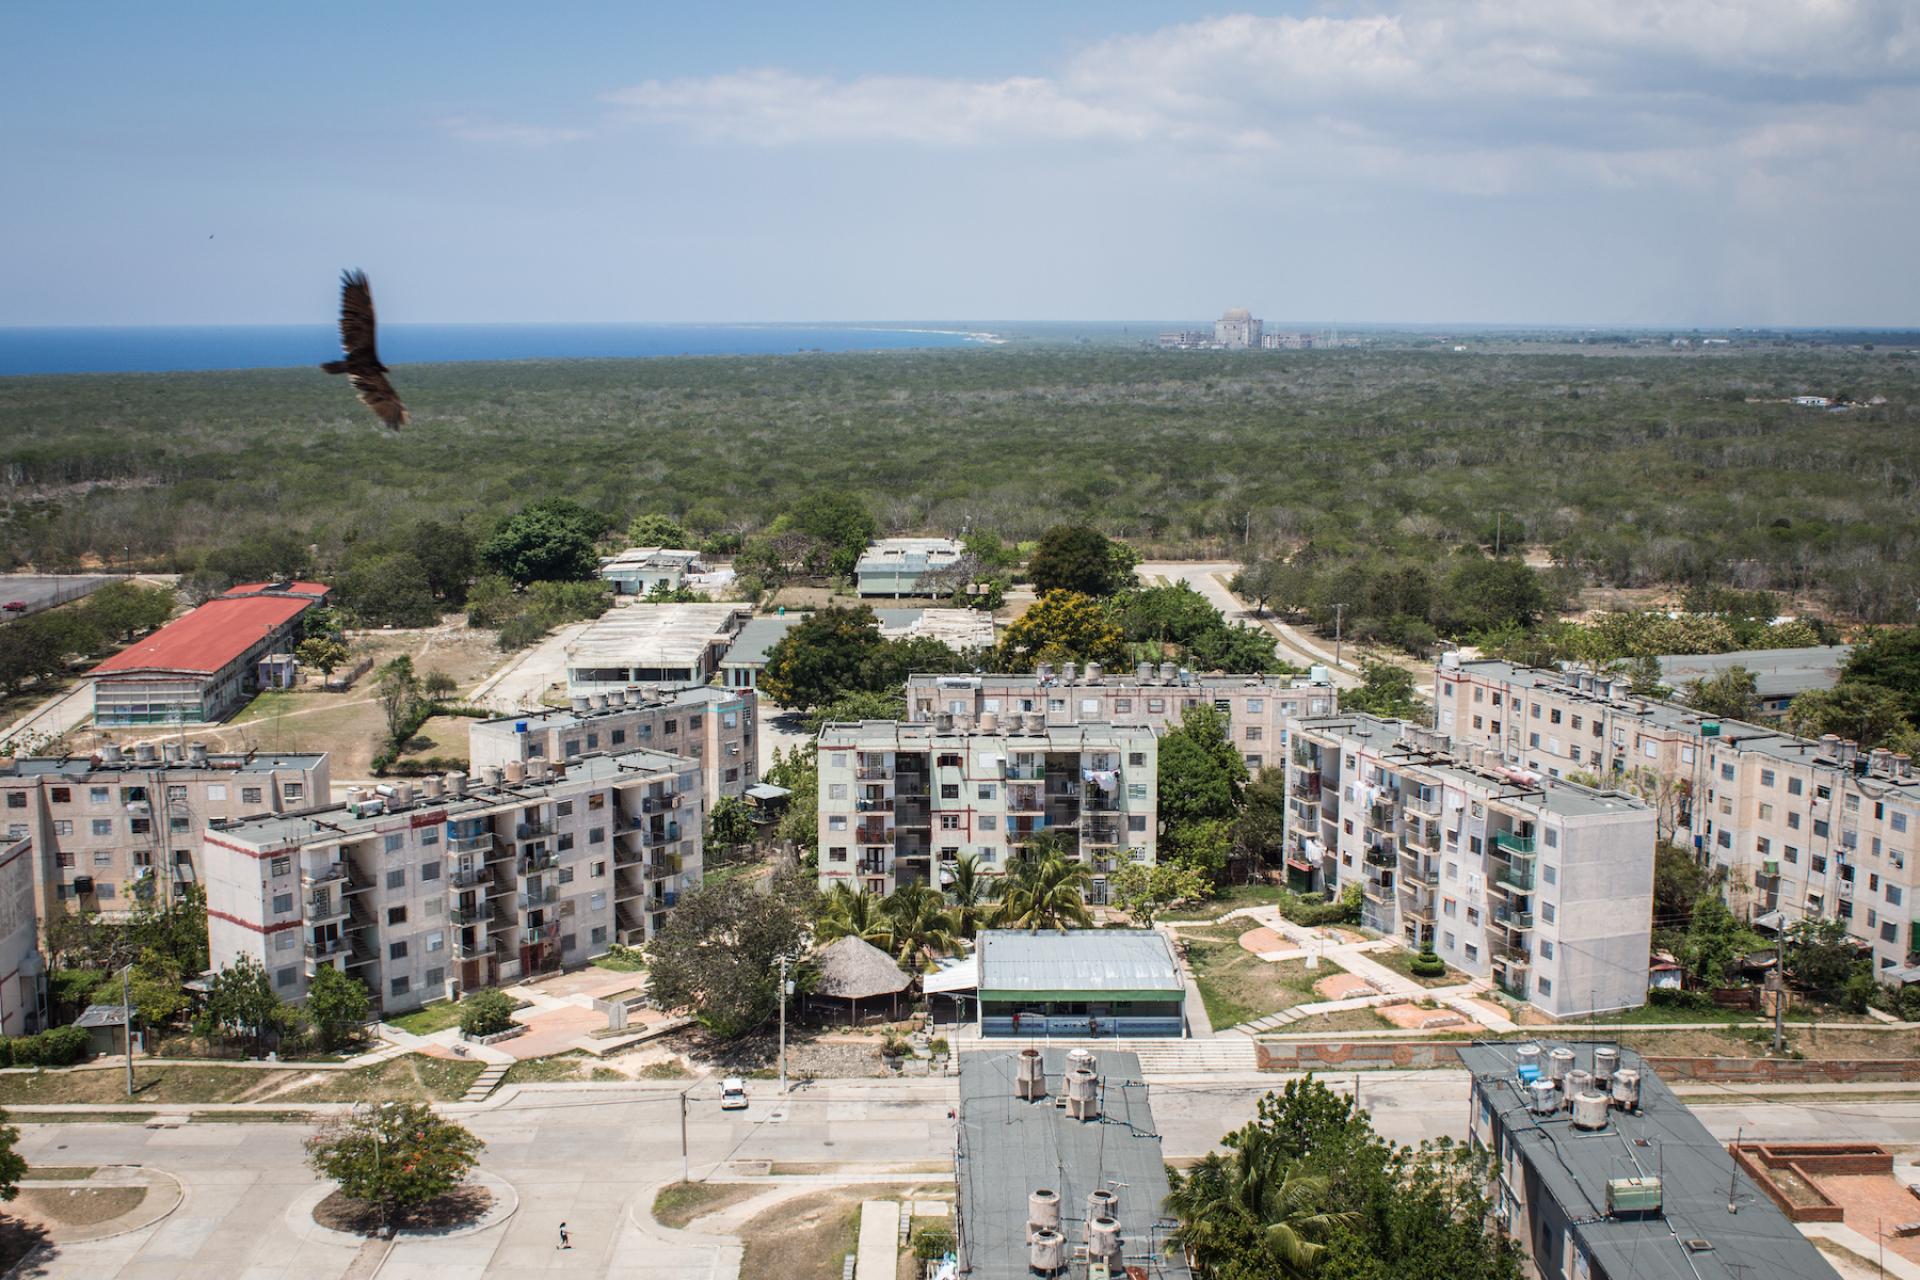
x=659, y=804
x=1381, y=856
x=1380, y=891
x=1304, y=811
x=532, y=830
x=332, y=872
x=1429, y=805
x=1515, y=877
x=1516, y=920
x=470, y=844
x=1026, y=772
x=479, y=913
x=1513, y=957
x=536, y=862
x=661, y=867
x=322, y=948
x=872, y=835
x=529, y=899
x=1423, y=835
x=874, y=773
x=872, y=867
x=1305, y=784
x=474, y=947
x=882, y=804
x=470, y=877
x=1026, y=800
x=1520, y=844
x=1514, y=983
x=666, y=834
x=324, y=906
x=1100, y=802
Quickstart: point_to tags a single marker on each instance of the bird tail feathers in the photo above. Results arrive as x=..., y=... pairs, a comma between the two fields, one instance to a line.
x=334, y=366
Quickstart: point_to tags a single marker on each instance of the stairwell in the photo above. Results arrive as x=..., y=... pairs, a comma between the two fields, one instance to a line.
x=486, y=1082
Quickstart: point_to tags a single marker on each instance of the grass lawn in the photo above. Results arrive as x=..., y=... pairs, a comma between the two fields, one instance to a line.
x=1340, y=1020
x=1400, y=960
x=561, y=1066
x=432, y=1018
x=1754, y=1042
x=151, y=1084
x=681, y=1202
x=1655, y=1015
x=413, y=1078
x=58, y=1172
x=442, y=736
x=620, y=962
x=79, y=1206
x=1230, y=898
x=1236, y=985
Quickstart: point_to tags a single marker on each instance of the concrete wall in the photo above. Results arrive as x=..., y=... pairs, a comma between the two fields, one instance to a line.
x=1375, y=1055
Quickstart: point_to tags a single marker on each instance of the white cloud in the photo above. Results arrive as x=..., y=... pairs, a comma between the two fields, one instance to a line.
x=469, y=129
x=1468, y=96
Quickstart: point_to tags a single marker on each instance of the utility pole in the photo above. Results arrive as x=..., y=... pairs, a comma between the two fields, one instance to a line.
x=1733, y=1171
x=685, y=1164
x=1339, y=613
x=126, y=1023
x=1778, y=990
x=783, y=1024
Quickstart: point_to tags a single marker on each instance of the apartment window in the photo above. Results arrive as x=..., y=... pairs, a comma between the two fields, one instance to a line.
x=1893, y=894
x=279, y=866
x=1473, y=952
x=61, y=827
x=1820, y=828
x=103, y=859
x=16, y=799
x=397, y=878
x=291, y=790
x=1889, y=931
x=66, y=858
x=564, y=808
x=563, y=841
x=1547, y=912
x=1817, y=864
x=1136, y=823
x=1790, y=853
x=140, y=826
x=566, y=875
x=59, y=795
x=837, y=853
x=949, y=822
x=1793, y=820
x=1549, y=874
x=97, y=795
x=1253, y=764
x=986, y=790
x=249, y=795
x=397, y=950
x=1761, y=845
x=436, y=942
x=1546, y=949
x=396, y=915
x=1476, y=722
x=1156, y=705
x=399, y=985
x=1766, y=812
x=1533, y=740
x=836, y=791
x=837, y=822
x=671, y=726
x=618, y=736
x=434, y=978
x=597, y=869
x=593, y=742
x=285, y=940
x=1123, y=705
x=596, y=802
x=103, y=826
x=282, y=903
x=599, y=935
x=1447, y=907
x=1546, y=986
x=1795, y=786
x=1536, y=711
x=1473, y=844
x=1575, y=722
x=285, y=977
x=1253, y=733
x=987, y=822
x=949, y=791
x=1898, y=821
x=1453, y=871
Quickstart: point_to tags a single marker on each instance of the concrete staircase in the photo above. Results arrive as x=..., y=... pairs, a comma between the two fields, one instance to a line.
x=487, y=1081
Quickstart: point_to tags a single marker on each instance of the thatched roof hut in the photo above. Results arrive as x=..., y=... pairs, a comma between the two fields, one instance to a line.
x=854, y=972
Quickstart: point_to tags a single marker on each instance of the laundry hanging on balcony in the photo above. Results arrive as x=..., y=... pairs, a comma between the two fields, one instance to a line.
x=1105, y=779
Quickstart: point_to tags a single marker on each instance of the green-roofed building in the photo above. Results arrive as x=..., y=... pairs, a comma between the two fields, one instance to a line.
x=1079, y=982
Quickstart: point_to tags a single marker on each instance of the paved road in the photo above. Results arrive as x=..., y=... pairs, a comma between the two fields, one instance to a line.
x=43, y=591
x=521, y=684
x=1209, y=578
x=593, y=1157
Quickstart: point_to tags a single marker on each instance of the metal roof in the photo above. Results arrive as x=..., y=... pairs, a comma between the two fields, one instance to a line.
x=1662, y=1139
x=219, y=632
x=1008, y=1148
x=654, y=635
x=1777, y=673
x=81, y=768
x=1092, y=960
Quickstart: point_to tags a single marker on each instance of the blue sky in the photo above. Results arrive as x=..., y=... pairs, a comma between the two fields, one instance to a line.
x=1576, y=161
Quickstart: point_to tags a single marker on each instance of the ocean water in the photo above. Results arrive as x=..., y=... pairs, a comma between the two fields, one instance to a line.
x=163, y=350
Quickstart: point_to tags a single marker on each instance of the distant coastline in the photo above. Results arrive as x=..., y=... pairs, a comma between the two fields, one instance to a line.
x=211, y=348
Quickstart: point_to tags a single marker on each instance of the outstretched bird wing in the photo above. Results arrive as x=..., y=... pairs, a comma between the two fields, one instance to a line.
x=356, y=319
x=358, y=341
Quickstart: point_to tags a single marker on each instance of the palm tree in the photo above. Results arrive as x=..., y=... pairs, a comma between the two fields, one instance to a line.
x=1043, y=890
x=922, y=926
x=854, y=913
x=970, y=892
x=1253, y=1200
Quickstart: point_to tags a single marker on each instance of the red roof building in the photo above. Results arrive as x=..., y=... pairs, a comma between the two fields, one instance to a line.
x=197, y=668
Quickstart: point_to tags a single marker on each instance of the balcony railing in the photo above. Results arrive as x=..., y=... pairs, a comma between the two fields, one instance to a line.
x=1026, y=772
x=1512, y=843
x=1425, y=835
x=1429, y=805
x=538, y=862
x=1380, y=816
x=532, y=830
x=883, y=804
x=1381, y=856
x=470, y=877
x=1512, y=919
x=666, y=834
x=1306, y=784
x=659, y=868
x=476, y=914
x=475, y=947
x=1517, y=877
x=873, y=773
x=320, y=948
x=531, y=898
x=328, y=874
x=659, y=804
x=324, y=906
x=470, y=844
x=1100, y=802
x=1511, y=956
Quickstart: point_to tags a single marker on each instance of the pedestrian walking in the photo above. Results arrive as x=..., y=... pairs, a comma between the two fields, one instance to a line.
x=565, y=1241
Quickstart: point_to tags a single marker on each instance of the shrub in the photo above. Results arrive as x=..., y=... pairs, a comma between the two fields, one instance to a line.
x=486, y=1013
x=931, y=1242
x=1427, y=965
x=1672, y=998
x=57, y=1047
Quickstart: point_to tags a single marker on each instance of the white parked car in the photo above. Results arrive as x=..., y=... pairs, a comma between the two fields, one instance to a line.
x=733, y=1094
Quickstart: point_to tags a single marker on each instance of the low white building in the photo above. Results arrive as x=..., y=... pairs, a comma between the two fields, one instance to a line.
x=900, y=566
x=22, y=971
x=672, y=646
x=638, y=570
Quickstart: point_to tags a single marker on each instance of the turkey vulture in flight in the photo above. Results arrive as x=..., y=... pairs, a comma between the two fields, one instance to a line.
x=362, y=365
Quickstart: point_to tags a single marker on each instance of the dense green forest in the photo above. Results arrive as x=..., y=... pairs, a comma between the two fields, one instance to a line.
x=1635, y=469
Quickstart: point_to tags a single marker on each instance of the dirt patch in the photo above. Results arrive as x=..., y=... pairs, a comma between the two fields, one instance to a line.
x=1344, y=986
x=58, y=1173
x=412, y=1078
x=1238, y=986
x=457, y=1208
x=810, y=1235
x=1339, y=1020
x=1412, y=1017
x=77, y=1206
x=1264, y=939
x=681, y=1202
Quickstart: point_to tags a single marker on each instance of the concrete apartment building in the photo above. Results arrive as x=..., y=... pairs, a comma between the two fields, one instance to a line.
x=638, y=570
x=1779, y=675
x=1544, y=886
x=898, y=799
x=1259, y=709
x=106, y=826
x=900, y=566
x=201, y=667
x=23, y=972
x=1802, y=828
x=461, y=882
x=713, y=727
x=1604, y=1175
x=1237, y=330
x=671, y=645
